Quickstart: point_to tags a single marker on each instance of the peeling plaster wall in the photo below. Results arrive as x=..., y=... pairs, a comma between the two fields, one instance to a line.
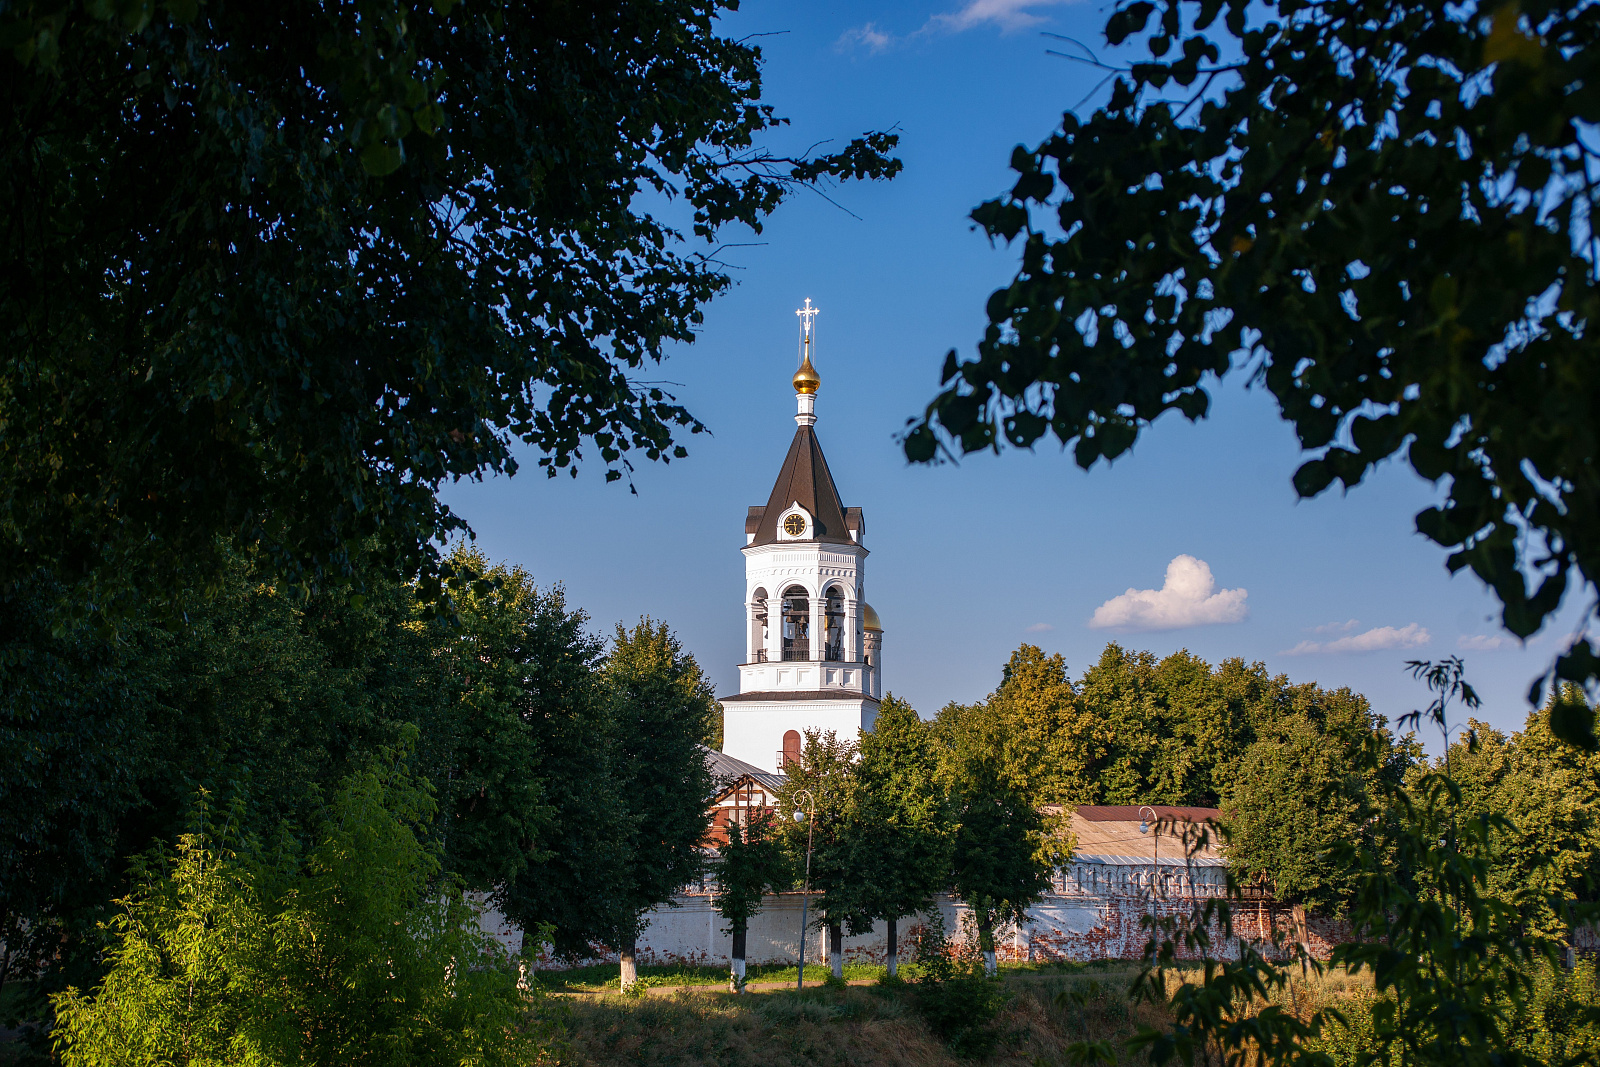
x=1062, y=926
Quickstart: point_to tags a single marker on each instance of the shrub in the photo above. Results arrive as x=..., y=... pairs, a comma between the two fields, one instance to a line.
x=958, y=1001
x=348, y=954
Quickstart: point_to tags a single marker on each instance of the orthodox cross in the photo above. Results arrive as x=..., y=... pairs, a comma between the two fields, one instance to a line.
x=807, y=314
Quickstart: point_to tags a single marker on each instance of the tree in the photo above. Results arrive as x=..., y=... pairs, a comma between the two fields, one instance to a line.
x=272, y=277
x=1000, y=864
x=821, y=786
x=1300, y=797
x=899, y=822
x=1549, y=795
x=661, y=705
x=750, y=865
x=1380, y=210
x=532, y=716
x=348, y=953
x=262, y=696
x=1455, y=966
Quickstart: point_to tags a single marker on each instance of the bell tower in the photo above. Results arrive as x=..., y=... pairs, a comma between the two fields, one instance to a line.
x=812, y=642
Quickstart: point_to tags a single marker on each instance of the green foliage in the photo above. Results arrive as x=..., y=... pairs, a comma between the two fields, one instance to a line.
x=749, y=865
x=1000, y=858
x=275, y=275
x=348, y=953
x=899, y=832
x=1380, y=210
x=1456, y=969
x=821, y=785
x=104, y=739
x=954, y=995
x=532, y=714
x=1548, y=792
x=660, y=705
x=1300, y=795
x=1135, y=730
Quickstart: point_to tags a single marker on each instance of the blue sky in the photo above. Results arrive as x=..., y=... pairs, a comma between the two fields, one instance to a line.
x=969, y=561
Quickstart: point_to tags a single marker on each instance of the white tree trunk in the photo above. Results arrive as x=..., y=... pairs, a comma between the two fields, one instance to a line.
x=836, y=949
x=630, y=966
x=989, y=965
x=736, y=978
x=894, y=947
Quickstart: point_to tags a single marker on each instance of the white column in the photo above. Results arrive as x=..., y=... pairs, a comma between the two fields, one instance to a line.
x=852, y=640
x=819, y=626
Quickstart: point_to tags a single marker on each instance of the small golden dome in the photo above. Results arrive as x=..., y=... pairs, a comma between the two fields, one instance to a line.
x=869, y=619
x=805, y=379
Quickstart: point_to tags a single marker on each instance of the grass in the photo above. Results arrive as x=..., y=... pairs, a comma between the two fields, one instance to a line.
x=878, y=1024
x=604, y=977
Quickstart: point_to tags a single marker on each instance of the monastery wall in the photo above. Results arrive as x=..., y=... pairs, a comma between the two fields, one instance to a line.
x=1068, y=925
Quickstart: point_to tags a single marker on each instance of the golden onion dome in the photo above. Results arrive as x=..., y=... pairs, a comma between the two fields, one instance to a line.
x=869, y=619
x=805, y=379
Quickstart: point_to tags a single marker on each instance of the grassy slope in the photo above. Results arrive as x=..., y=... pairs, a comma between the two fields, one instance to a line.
x=861, y=1025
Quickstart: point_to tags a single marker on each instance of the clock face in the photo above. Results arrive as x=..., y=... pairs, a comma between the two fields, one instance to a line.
x=794, y=526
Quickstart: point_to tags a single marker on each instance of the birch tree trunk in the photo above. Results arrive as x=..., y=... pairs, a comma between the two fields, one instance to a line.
x=736, y=979
x=836, y=949
x=986, y=940
x=630, y=966
x=894, y=947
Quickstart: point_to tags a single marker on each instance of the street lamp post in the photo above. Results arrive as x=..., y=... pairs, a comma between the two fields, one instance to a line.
x=810, y=819
x=1155, y=861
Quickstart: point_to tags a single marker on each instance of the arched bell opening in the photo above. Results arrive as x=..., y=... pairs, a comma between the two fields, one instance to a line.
x=757, y=615
x=796, y=624
x=833, y=616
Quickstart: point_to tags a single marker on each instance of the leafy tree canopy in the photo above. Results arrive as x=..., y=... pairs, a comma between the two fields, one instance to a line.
x=272, y=275
x=1380, y=210
x=900, y=823
x=1547, y=851
x=1134, y=729
x=661, y=705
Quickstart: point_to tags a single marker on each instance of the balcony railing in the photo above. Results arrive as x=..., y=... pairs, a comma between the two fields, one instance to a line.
x=803, y=655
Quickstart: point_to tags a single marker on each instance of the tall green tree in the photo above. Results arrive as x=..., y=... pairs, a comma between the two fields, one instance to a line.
x=661, y=706
x=749, y=865
x=1300, y=797
x=821, y=786
x=1380, y=210
x=1000, y=859
x=534, y=808
x=899, y=827
x=1548, y=793
x=271, y=276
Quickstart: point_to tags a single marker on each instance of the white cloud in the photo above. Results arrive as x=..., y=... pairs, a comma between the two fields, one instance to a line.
x=1009, y=15
x=869, y=37
x=1185, y=599
x=1485, y=642
x=1039, y=628
x=1334, y=627
x=1373, y=640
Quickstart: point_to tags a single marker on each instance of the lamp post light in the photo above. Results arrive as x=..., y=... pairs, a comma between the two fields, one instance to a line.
x=810, y=818
x=1155, y=860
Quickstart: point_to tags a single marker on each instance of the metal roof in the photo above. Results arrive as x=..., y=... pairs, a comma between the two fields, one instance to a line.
x=725, y=770
x=805, y=480
x=1146, y=861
